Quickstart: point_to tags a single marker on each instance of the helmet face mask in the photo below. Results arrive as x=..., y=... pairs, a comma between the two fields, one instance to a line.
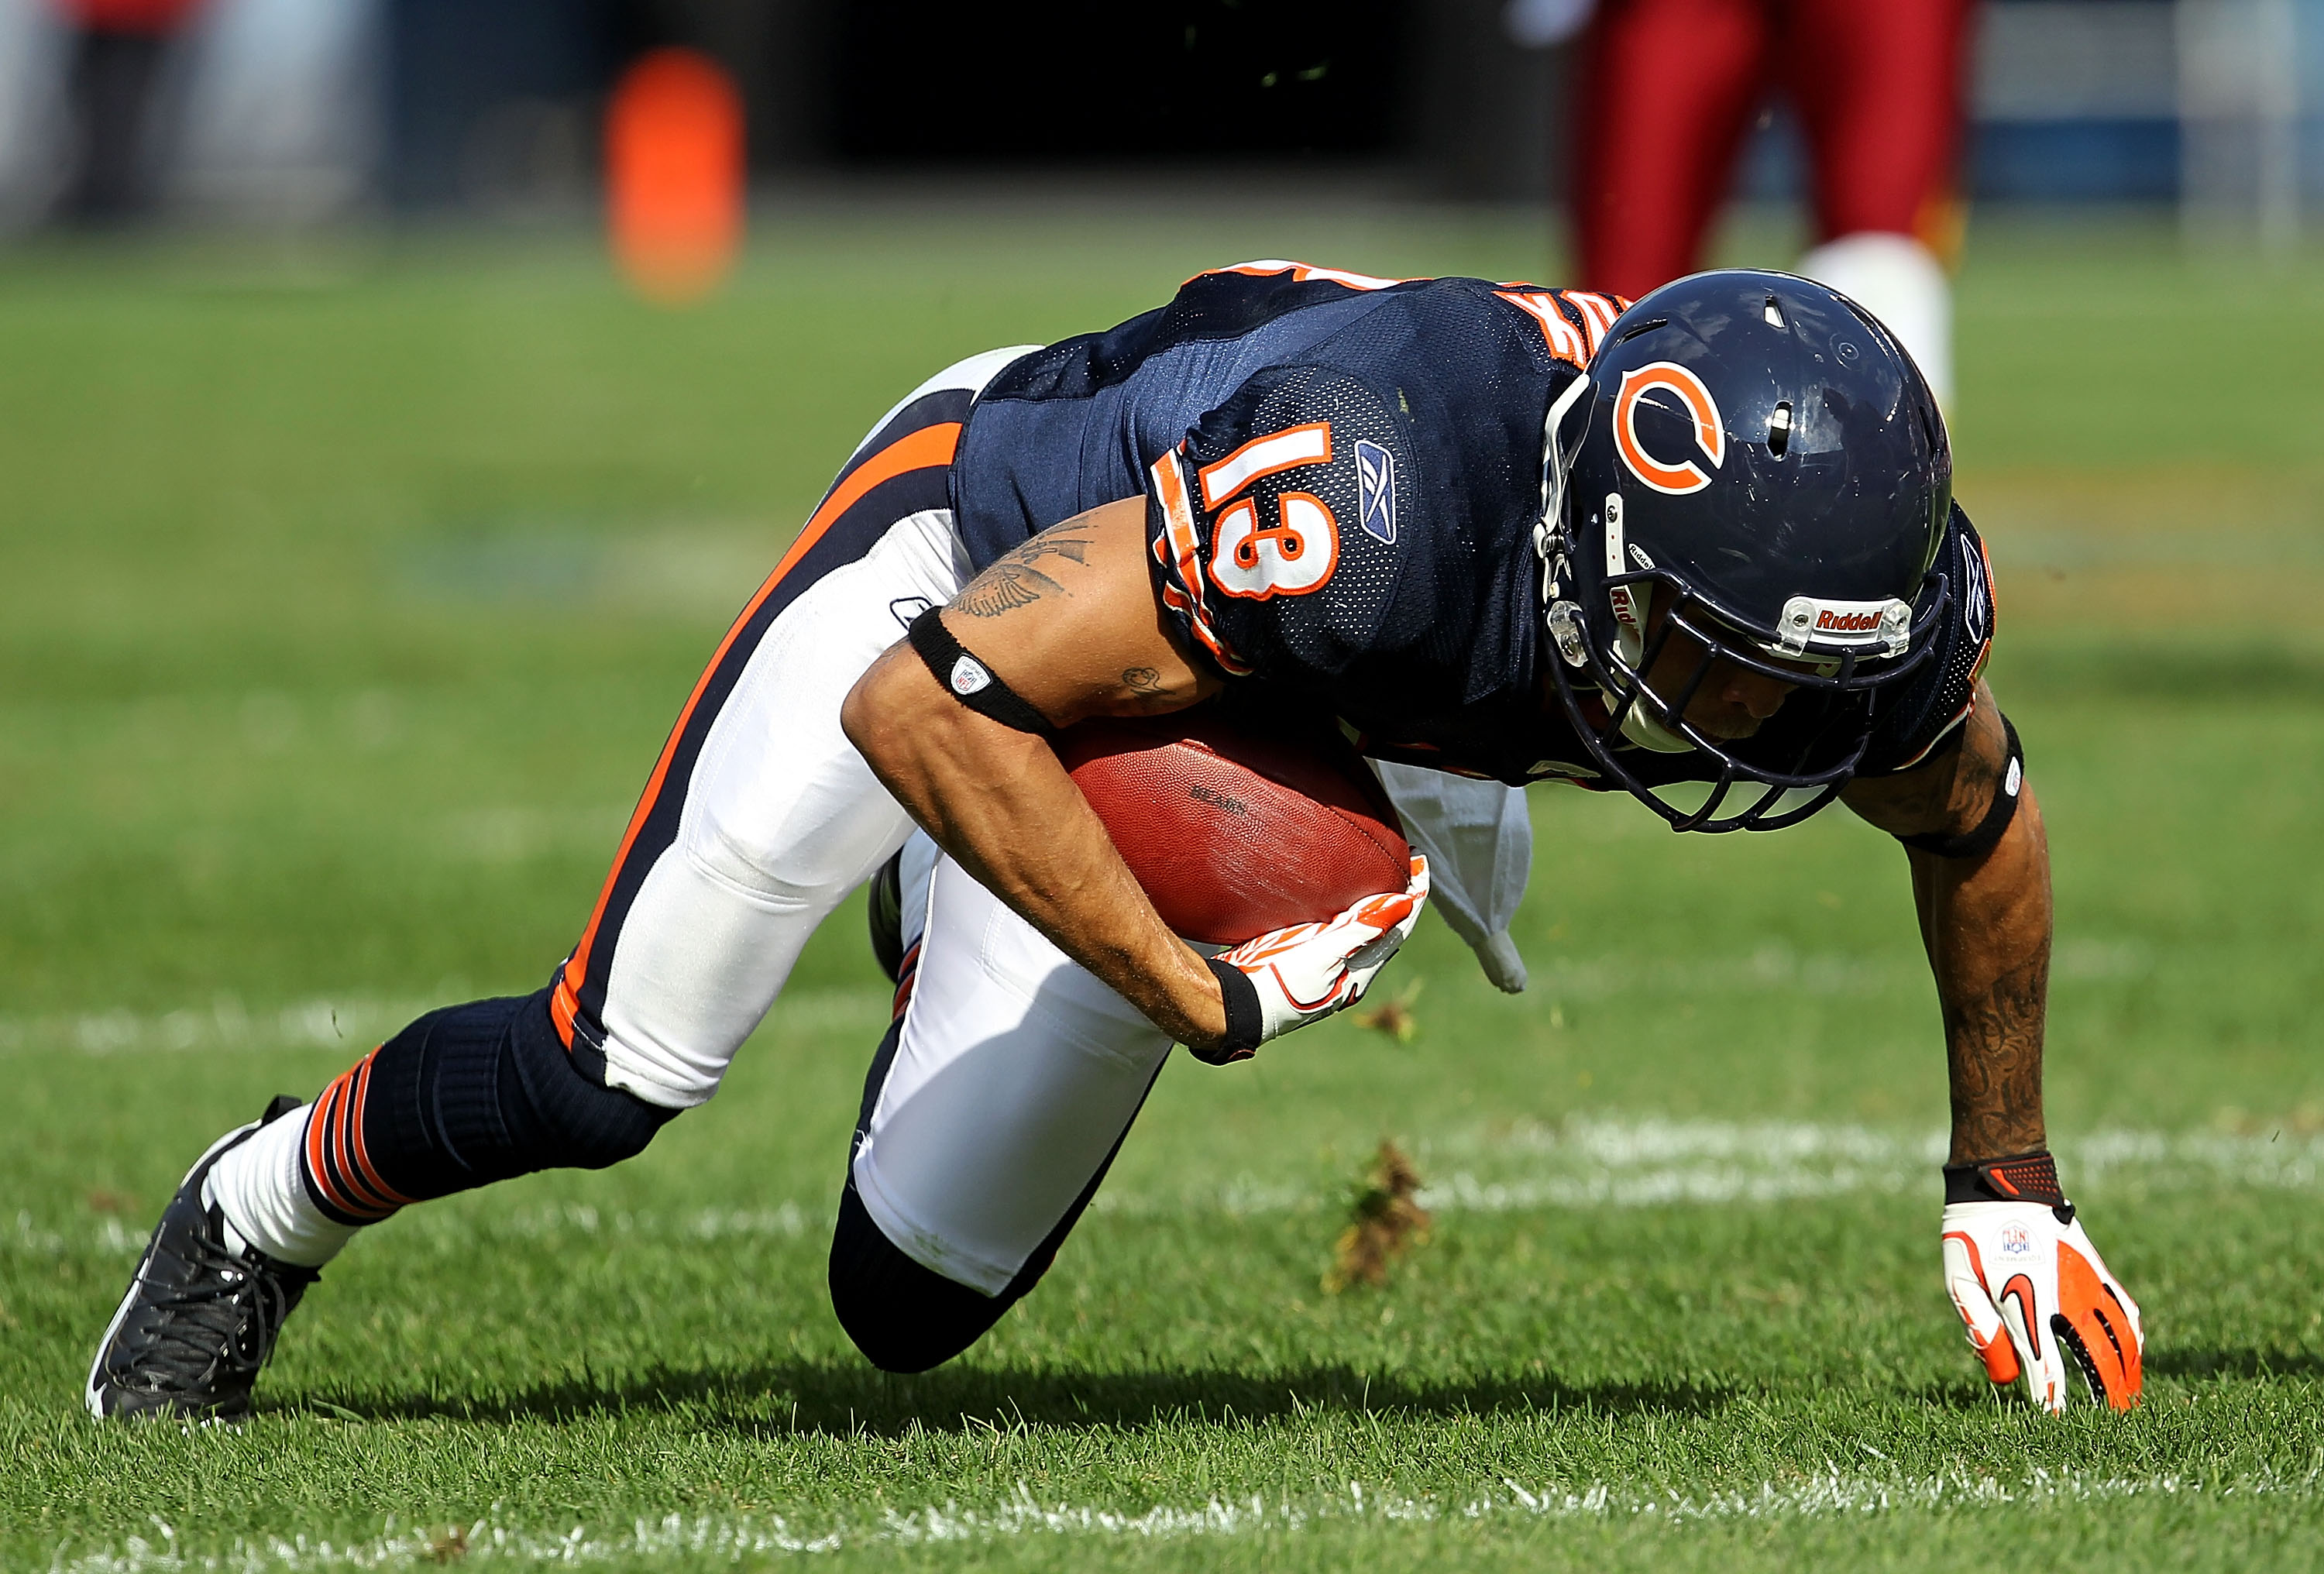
x=1801, y=552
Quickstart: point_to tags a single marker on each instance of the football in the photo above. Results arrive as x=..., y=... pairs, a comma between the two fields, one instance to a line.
x=1233, y=833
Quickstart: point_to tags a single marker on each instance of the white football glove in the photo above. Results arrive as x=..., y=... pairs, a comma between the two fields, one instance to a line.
x=1289, y=978
x=2033, y=1291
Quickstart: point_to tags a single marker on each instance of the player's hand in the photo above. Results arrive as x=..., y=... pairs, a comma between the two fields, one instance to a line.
x=1291, y=977
x=2034, y=1296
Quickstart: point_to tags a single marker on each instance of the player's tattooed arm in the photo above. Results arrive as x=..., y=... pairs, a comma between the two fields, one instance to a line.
x=1058, y=565
x=1985, y=923
x=1087, y=638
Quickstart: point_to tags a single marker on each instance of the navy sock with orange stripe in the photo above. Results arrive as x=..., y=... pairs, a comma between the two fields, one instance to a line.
x=462, y=1096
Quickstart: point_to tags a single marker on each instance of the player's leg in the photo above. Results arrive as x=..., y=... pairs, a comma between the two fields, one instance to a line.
x=992, y=1109
x=757, y=820
x=1664, y=90
x=1881, y=91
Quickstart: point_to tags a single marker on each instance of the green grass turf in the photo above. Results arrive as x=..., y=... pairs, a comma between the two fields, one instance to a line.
x=345, y=594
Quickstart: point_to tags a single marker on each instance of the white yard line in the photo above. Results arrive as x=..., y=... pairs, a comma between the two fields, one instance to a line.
x=1595, y=1161
x=1583, y=1163
x=356, y=1022
x=353, y=1023
x=728, y=1537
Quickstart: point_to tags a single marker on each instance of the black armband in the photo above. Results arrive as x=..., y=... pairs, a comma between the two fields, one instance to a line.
x=971, y=682
x=2027, y=1177
x=1246, y=1022
x=1977, y=843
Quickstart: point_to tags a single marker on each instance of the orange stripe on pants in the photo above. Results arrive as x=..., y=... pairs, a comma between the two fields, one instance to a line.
x=931, y=446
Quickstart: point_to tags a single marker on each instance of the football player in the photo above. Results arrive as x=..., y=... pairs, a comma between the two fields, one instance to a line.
x=1702, y=552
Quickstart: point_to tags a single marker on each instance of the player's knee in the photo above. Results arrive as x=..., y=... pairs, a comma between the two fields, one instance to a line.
x=573, y=1121
x=903, y=1317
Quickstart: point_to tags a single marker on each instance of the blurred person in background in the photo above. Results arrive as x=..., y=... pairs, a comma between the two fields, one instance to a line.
x=1667, y=91
x=120, y=49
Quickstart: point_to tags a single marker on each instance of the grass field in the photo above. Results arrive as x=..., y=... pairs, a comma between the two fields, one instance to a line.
x=345, y=594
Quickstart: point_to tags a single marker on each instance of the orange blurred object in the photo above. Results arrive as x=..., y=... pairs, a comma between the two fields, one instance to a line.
x=675, y=174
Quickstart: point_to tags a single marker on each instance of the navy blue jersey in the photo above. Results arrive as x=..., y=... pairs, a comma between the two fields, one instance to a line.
x=1342, y=476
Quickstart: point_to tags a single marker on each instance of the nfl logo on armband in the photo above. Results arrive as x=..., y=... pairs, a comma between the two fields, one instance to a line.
x=1375, y=490
x=969, y=677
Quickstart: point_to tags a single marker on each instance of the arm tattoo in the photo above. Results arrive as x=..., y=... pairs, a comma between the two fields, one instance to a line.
x=1074, y=547
x=1146, y=684
x=1003, y=588
x=1994, y=1045
x=1013, y=582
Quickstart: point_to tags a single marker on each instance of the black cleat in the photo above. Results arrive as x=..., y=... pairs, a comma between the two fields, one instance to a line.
x=200, y=1318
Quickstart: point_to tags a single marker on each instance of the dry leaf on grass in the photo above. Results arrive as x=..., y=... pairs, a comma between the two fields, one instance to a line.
x=1395, y=1017
x=1387, y=1223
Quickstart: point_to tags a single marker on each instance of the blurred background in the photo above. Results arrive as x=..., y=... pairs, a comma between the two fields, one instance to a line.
x=309, y=112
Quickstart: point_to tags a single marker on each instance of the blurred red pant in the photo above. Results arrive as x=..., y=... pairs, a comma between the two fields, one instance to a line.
x=1668, y=88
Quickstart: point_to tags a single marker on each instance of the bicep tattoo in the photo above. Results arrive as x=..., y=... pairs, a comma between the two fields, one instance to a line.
x=1012, y=581
x=1003, y=588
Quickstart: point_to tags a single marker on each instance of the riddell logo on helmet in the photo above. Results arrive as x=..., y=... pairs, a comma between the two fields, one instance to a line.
x=1830, y=622
x=1675, y=382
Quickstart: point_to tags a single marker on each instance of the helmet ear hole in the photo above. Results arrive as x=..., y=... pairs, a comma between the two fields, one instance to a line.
x=1779, y=430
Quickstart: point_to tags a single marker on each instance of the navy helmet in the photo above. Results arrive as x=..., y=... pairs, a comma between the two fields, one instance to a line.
x=1754, y=464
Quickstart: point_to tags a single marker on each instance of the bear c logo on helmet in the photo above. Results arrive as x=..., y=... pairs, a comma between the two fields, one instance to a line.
x=1709, y=431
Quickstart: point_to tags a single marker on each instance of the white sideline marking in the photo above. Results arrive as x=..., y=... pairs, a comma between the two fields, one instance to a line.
x=353, y=1023
x=1580, y=1164
x=1591, y=1162
x=733, y=1537
x=359, y=1021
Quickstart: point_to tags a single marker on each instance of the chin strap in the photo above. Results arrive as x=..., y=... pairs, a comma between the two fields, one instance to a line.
x=2008, y=793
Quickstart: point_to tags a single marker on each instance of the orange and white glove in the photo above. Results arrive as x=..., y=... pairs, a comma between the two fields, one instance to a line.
x=1289, y=978
x=2031, y=1289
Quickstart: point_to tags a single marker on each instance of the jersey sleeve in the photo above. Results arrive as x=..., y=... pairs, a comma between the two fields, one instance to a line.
x=1927, y=715
x=1281, y=523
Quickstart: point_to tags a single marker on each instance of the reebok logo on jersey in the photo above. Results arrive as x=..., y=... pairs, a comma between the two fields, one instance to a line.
x=1376, y=491
x=969, y=677
x=1973, y=580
